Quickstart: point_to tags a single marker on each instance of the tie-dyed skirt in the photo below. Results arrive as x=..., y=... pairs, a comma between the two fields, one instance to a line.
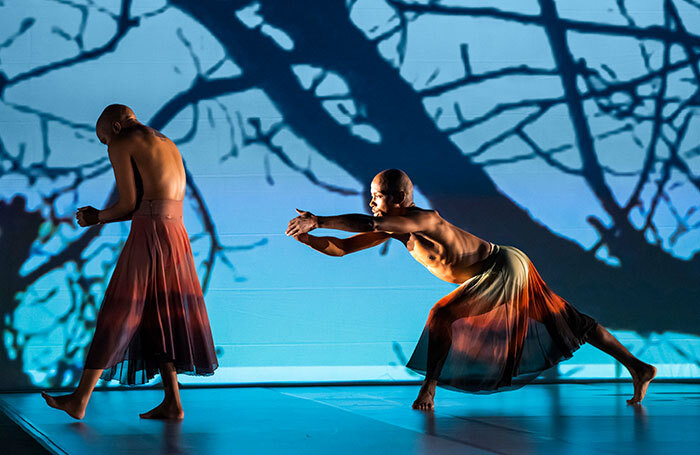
x=153, y=310
x=505, y=327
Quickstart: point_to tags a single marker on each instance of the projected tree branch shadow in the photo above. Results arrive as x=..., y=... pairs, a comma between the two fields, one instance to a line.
x=459, y=187
x=23, y=230
x=381, y=120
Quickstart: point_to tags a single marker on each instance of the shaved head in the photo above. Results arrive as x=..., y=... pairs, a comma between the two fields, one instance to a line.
x=112, y=120
x=395, y=182
x=115, y=113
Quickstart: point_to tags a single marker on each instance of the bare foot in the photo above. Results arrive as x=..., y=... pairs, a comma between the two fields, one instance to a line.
x=70, y=404
x=641, y=378
x=167, y=410
x=426, y=396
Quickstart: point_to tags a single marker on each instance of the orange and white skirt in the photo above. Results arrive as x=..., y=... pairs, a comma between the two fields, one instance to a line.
x=507, y=327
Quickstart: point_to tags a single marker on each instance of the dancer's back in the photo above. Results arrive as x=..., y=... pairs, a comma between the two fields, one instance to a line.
x=157, y=160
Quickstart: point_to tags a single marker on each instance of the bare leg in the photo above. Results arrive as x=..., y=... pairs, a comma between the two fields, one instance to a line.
x=440, y=320
x=171, y=407
x=642, y=373
x=439, y=342
x=74, y=404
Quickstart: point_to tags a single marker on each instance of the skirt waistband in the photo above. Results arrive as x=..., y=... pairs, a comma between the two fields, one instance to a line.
x=166, y=208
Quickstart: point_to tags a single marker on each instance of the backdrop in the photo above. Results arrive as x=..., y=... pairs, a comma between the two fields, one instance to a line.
x=568, y=129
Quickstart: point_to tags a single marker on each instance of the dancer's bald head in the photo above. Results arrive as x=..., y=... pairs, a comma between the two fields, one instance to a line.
x=396, y=183
x=115, y=113
x=113, y=118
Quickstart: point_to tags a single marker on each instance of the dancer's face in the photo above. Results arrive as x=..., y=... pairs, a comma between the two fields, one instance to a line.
x=382, y=203
x=105, y=132
x=101, y=134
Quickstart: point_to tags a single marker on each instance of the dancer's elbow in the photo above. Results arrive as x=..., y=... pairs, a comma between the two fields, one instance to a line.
x=126, y=205
x=336, y=251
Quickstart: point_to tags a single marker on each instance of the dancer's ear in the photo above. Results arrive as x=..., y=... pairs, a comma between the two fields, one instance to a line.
x=399, y=197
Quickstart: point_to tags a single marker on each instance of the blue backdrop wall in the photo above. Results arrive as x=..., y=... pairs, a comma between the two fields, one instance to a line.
x=568, y=129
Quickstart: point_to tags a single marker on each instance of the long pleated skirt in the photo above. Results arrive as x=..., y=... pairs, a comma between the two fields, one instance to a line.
x=507, y=328
x=153, y=310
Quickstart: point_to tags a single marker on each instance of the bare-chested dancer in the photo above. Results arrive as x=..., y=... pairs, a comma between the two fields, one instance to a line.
x=152, y=317
x=501, y=327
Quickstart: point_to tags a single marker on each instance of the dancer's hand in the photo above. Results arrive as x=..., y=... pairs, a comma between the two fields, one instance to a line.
x=305, y=222
x=87, y=216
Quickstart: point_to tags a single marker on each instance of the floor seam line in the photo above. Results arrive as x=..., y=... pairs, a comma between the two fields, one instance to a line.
x=400, y=427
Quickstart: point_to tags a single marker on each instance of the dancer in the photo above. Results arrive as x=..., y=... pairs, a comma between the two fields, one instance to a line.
x=153, y=316
x=500, y=328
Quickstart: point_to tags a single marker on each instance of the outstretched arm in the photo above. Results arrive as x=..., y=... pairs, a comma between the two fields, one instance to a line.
x=414, y=221
x=333, y=246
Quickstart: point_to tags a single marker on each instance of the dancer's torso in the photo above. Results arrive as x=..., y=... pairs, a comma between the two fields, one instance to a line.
x=448, y=252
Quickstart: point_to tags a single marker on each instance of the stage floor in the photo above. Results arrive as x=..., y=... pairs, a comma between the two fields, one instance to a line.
x=565, y=418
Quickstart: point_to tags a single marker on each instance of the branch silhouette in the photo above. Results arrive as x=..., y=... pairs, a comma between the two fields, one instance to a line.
x=652, y=32
x=457, y=184
x=458, y=187
x=72, y=251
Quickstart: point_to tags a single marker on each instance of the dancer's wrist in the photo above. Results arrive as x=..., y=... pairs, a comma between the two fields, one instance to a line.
x=91, y=216
x=303, y=238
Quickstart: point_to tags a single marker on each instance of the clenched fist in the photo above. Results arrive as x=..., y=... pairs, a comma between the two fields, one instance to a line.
x=87, y=216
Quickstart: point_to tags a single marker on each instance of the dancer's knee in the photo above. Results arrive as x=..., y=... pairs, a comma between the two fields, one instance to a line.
x=439, y=317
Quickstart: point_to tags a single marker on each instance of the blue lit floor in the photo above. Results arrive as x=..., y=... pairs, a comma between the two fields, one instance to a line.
x=565, y=418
